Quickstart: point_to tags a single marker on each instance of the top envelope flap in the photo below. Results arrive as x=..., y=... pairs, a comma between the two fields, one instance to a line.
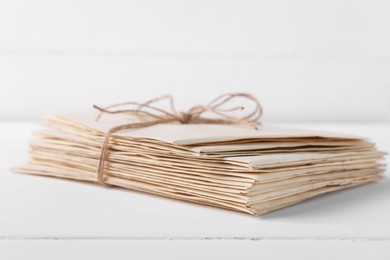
x=195, y=134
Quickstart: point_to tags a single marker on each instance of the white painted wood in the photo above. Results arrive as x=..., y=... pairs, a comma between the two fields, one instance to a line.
x=303, y=27
x=35, y=207
x=193, y=249
x=312, y=61
x=305, y=60
x=289, y=89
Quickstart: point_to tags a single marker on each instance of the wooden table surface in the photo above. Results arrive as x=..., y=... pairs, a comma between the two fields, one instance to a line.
x=49, y=218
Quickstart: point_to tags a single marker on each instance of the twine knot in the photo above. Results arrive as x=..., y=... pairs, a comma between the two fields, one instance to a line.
x=184, y=118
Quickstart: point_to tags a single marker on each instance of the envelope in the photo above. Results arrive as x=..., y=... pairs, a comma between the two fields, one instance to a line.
x=234, y=167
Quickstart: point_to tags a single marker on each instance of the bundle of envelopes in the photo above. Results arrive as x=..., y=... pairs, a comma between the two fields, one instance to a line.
x=229, y=166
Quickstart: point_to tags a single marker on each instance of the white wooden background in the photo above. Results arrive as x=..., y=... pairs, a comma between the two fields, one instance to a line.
x=323, y=61
x=306, y=60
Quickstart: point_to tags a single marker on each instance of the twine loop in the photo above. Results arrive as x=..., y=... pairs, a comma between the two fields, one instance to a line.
x=153, y=115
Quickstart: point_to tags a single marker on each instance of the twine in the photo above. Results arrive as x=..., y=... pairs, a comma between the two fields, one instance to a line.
x=194, y=115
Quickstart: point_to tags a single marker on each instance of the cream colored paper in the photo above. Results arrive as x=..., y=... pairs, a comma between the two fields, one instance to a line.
x=228, y=166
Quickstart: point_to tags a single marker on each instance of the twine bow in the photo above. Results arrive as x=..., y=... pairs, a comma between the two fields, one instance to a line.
x=155, y=115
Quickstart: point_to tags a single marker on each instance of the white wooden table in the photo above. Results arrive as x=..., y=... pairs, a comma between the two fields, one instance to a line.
x=48, y=218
